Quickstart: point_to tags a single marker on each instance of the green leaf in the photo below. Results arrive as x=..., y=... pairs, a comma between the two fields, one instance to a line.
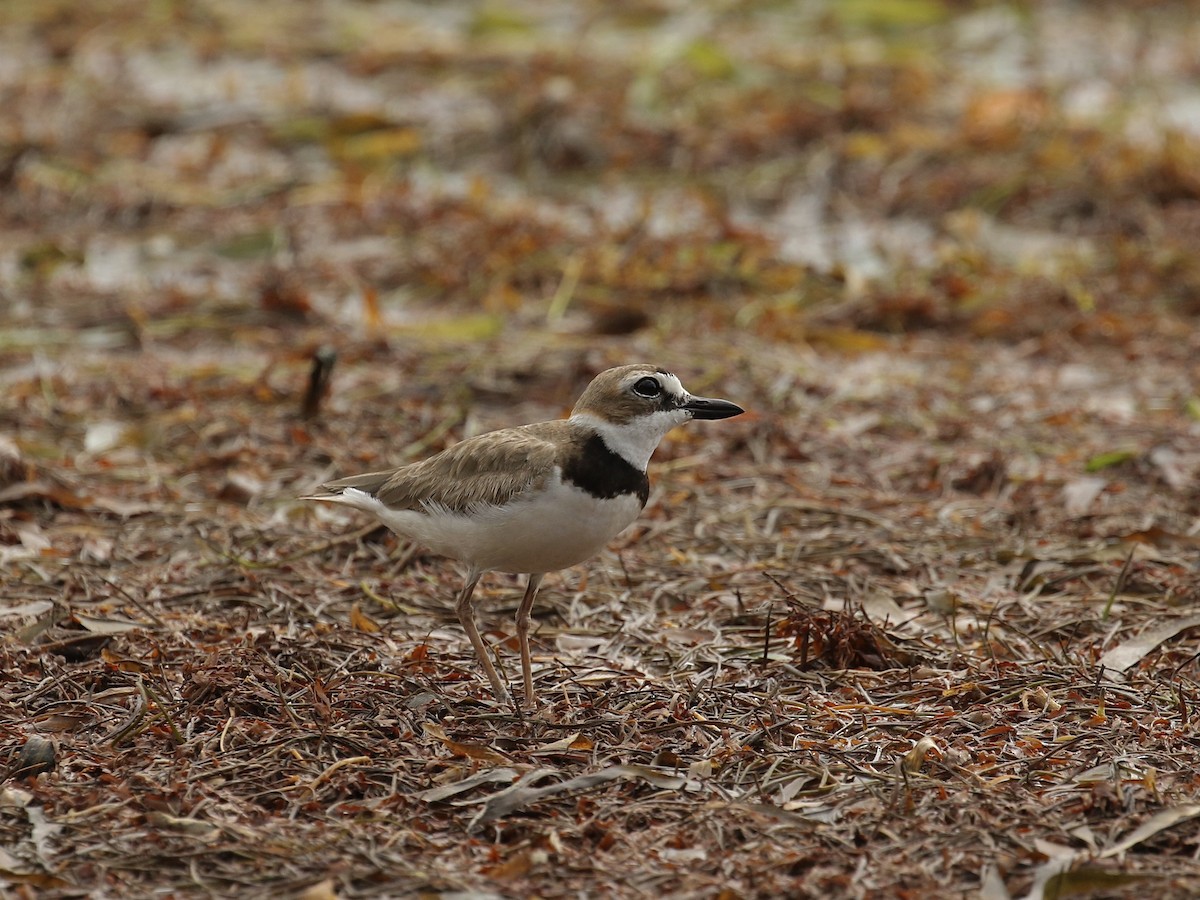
x=251, y=245
x=889, y=14
x=458, y=329
x=495, y=19
x=709, y=60
x=1109, y=459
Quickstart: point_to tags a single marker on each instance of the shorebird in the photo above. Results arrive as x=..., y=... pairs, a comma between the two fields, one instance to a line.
x=535, y=498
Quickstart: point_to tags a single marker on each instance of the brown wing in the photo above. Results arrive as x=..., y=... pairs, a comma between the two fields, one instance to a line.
x=487, y=469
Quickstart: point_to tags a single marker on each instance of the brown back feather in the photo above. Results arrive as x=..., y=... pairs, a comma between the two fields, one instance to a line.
x=484, y=470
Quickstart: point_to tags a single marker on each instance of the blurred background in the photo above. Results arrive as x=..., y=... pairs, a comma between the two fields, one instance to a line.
x=812, y=172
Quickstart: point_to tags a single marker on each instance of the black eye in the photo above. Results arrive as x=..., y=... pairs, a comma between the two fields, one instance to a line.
x=647, y=387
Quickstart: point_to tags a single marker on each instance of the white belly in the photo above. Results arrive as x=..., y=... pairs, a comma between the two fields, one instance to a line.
x=557, y=528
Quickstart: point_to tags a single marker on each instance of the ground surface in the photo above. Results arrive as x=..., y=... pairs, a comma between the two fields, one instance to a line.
x=923, y=623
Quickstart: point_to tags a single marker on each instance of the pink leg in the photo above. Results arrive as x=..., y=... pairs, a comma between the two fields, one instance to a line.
x=524, y=620
x=466, y=615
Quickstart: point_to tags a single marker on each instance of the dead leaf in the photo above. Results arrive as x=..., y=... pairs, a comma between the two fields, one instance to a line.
x=282, y=291
x=10, y=870
x=240, y=488
x=96, y=549
x=682, y=855
x=1163, y=538
x=322, y=890
x=124, y=664
x=32, y=608
x=1059, y=877
x=360, y=621
x=446, y=791
x=691, y=637
x=182, y=824
x=101, y=437
x=58, y=721
x=1130, y=652
x=915, y=758
x=372, y=317
x=101, y=625
x=471, y=751
x=881, y=609
x=42, y=490
x=991, y=885
x=1079, y=494
x=1160, y=821
x=517, y=865
x=31, y=632
x=18, y=803
x=32, y=536
x=1170, y=467
x=570, y=742
x=119, y=507
x=999, y=116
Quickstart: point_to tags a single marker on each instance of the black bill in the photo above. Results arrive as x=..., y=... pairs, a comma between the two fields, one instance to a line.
x=706, y=408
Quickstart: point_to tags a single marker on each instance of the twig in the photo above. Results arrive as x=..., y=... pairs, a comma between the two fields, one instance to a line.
x=128, y=596
x=766, y=648
x=1119, y=583
x=325, y=776
x=319, y=378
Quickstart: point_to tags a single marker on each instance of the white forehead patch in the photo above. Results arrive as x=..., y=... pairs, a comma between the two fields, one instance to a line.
x=672, y=385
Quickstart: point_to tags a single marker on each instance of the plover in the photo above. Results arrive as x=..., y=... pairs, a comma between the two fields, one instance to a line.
x=535, y=498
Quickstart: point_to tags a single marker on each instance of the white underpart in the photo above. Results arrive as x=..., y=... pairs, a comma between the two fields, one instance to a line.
x=543, y=531
x=636, y=440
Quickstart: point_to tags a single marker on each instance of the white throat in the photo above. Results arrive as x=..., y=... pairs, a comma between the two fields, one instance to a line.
x=634, y=441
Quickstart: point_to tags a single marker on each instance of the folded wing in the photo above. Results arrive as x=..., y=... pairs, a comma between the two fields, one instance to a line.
x=486, y=470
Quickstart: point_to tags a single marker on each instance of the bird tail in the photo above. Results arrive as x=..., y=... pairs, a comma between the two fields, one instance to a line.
x=357, y=490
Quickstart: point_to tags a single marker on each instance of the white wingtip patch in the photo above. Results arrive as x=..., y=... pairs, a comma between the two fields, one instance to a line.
x=351, y=497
